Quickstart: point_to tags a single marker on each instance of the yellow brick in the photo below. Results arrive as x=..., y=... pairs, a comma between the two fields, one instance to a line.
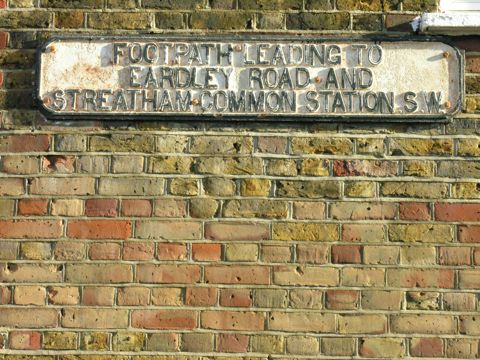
x=305, y=232
x=255, y=187
x=425, y=233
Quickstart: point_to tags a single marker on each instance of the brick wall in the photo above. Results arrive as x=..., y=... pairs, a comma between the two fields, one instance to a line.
x=142, y=240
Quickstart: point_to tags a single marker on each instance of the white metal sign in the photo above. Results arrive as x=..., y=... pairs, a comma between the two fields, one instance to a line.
x=249, y=78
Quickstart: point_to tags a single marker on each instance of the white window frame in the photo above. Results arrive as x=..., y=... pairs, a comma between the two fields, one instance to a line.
x=458, y=17
x=459, y=5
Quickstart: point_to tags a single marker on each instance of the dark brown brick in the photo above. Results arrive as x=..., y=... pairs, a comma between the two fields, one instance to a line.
x=416, y=5
x=367, y=22
x=25, y=19
x=119, y=20
x=322, y=21
x=69, y=20
x=369, y=5
x=221, y=20
x=72, y=4
x=167, y=20
x=270, y=4
x=175, y=4
x=472, y=84
x=319, y=4
x=223, y=4
x=399, y=22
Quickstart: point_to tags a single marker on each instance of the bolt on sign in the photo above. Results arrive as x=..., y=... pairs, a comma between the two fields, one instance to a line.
x=260, y=77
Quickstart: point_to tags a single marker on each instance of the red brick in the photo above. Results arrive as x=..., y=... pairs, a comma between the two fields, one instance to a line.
x=236, y=297
x=30, y=229
x=346, y=254
x=206, y=252
x=138, y=250
x=457, y=212
x=232, y=320
x=5, y=295
x=469, y=233
x=133, y=296
x=168, y=251
x=365, y=168
x=101, y=207
x=457, y=301
x=341, y=299
x=3, y=4
x=454, y=256
x=98, y=295
x=168, y=274
x=25, y=340
x=164, y=319
x=421, y=278
x=272, y=144
x=200, y=296
x=314, y=254
x=58, y=164
x=104, y=251
x=468, y=43
x=99, y=229
x=3, y=40
x=236, y=231
x=136, y=207
x=426, y=347
x=276, y=254
x=26, y=143
x=32, y=207
x=12, y=186
x=220, y=274
x=414, y=211
x=472, y=64
x=232, y=343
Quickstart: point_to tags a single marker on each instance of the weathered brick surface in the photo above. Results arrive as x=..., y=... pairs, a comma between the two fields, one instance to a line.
x=257, y=240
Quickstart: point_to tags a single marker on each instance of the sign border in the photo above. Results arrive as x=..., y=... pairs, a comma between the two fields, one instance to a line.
x=322, y=118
